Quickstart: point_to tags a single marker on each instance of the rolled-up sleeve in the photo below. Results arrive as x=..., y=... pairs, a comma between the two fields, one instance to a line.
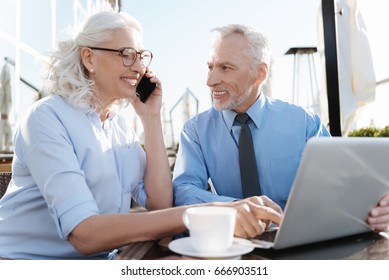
x=56, y=170
x=190, y=178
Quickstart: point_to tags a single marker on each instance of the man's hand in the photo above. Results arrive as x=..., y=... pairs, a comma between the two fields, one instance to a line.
x=378, y=218
x=254, y=216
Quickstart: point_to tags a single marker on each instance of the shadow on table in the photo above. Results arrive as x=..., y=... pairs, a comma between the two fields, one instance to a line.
x=361, y=246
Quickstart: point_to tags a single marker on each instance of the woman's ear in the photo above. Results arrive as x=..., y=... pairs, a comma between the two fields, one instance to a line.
x=87, y=59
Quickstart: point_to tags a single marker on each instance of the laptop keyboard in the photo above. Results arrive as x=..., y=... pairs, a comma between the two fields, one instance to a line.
x=268, y=235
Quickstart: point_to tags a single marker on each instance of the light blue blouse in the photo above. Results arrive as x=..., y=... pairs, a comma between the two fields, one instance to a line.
x=66, y=168
x=208, y=149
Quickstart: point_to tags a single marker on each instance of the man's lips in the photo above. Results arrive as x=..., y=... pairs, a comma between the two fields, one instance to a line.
x=219, y=93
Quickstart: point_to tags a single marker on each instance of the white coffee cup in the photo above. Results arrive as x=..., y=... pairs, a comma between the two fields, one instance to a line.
x=211, y=228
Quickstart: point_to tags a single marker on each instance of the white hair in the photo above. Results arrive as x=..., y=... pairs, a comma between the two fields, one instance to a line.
x=66, y=75
x=259, y=44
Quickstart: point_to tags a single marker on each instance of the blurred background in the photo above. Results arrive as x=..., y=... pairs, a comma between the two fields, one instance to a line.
x=179, y=35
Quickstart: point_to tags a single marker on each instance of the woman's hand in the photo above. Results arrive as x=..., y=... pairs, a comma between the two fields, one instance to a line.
x=152, y=106
x=157, y=178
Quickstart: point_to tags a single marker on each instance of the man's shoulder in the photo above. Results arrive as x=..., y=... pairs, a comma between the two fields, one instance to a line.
x=205, y=117
x=281, y=105
x=204, y=122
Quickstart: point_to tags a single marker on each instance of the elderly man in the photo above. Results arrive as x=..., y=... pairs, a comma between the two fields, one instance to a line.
x=210, y=143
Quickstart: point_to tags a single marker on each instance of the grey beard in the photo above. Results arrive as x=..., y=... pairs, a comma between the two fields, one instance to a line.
x=231, y=104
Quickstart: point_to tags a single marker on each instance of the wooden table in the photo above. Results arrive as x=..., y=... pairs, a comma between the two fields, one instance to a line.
x=6, y=162
x=369, y=246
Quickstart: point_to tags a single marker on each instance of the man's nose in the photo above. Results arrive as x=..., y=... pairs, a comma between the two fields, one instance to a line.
x=213, y=78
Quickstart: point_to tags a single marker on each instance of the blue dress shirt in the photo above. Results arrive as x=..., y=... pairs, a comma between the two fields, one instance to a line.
x=208, y=149
x=66, y=168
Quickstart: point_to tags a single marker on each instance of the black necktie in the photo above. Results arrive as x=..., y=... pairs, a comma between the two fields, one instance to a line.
x=247, y=162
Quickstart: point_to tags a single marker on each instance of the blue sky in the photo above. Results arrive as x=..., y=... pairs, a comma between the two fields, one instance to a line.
x=178, y=33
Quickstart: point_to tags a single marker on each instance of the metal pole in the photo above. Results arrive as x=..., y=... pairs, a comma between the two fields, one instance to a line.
x=331, y=59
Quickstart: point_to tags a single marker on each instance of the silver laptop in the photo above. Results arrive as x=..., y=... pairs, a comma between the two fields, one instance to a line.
x=338, y=181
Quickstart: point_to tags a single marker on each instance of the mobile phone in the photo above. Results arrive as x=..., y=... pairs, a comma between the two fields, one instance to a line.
x=145, y=88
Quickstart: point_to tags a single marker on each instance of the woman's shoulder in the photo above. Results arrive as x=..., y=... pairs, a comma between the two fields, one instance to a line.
x=51, y=109
x=47, y=101
x=52, y=104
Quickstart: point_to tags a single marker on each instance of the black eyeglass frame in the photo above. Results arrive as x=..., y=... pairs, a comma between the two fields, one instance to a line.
x=121, y=50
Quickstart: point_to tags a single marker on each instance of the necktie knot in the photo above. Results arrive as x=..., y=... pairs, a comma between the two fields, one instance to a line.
x=242, y=118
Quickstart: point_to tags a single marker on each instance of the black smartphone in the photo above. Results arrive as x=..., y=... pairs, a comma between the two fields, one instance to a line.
x=145, y=88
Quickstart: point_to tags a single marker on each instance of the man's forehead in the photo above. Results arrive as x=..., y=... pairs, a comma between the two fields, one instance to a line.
x=214, y=60
x=228, y=51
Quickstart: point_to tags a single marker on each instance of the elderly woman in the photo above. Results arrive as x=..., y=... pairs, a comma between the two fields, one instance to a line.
x=77, y=163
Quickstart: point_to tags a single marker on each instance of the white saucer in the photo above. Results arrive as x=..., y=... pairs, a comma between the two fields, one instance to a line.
x=183, y=247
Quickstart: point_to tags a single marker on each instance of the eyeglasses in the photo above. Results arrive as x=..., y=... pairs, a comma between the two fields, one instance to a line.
x=129, y=55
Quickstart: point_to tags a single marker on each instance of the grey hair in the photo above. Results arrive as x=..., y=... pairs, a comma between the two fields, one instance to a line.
x=259, y=44
x=66, y=75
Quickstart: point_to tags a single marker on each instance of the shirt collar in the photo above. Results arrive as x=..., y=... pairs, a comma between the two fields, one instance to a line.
x=254, y=111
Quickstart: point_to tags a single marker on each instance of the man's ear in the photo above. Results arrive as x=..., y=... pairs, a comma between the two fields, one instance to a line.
x=87, y=58
x=262, y=72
